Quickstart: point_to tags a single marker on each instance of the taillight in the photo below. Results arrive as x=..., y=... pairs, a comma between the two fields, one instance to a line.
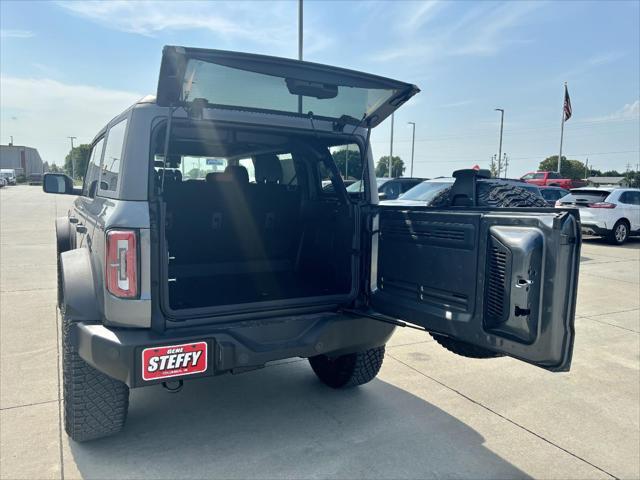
x=602, y=205
x=122, y=263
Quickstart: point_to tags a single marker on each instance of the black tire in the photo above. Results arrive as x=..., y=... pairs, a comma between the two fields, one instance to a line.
x=464, y=349
x=95, y=405
x=619, y=233
x=349, y=370
x=491, y=193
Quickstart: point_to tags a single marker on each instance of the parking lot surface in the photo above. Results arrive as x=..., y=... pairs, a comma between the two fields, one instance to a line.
x=429, y=414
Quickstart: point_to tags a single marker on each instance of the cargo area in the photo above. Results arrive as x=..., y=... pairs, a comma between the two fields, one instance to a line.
x=246, y=218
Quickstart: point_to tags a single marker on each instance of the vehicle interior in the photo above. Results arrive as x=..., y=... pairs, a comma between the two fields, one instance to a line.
x=246, y=217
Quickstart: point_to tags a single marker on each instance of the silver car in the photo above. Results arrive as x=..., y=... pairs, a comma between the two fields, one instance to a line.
x=203, y=243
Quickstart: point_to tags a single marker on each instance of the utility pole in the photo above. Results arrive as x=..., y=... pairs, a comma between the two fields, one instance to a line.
x=493, y=165
x=391, y=149
x=73, y=165
x=11, y=142
x=300, y=18
x=346, y=163
x=413, y=144
x=586, y=169
x=506, y=164
x=500, y=147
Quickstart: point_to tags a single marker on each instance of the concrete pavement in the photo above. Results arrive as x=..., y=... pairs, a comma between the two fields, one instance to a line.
x=429, y=414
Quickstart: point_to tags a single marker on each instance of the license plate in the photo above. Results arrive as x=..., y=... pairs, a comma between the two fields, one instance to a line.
x=174, y=361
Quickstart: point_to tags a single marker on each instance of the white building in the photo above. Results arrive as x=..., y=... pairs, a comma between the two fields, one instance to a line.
x=24, y=160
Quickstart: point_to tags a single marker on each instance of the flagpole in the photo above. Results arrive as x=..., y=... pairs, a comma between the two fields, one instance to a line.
x=564, y=96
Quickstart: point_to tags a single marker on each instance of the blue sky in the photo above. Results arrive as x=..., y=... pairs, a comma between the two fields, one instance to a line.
x=68, y=67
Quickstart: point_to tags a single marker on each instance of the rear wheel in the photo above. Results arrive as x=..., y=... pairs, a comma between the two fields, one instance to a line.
x=495, y=194
x=619, y=234
x=349, y=370
x=95, y=405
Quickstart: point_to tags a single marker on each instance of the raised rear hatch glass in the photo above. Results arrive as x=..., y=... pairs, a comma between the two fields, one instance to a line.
x=279, y=85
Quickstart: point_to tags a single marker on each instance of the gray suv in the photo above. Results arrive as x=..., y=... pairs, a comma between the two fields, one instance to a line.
x=202, y=242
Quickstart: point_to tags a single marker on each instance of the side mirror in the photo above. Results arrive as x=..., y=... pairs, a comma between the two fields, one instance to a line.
x=58, y=183
x=382, y=195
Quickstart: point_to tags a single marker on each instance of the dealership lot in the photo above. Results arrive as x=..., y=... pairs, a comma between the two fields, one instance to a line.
x=429, y=413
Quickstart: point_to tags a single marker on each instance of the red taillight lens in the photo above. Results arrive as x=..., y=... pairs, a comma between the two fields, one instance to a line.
x=602, y=205
x=122, y=263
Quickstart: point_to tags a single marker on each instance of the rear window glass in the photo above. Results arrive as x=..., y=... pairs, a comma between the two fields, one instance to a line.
x=112, y=157
x=225, y=86
x=585, y=197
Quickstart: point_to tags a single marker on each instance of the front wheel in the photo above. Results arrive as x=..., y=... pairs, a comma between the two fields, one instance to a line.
x=619, y=234
x=349, y=370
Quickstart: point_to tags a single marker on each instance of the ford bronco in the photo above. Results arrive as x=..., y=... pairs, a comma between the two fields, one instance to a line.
x=202, y=242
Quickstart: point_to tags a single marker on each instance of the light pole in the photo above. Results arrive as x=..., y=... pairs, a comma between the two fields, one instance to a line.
x=500, y=147
x=73, y=166
x=391, y=149
x=300, y=18
x=413, y=143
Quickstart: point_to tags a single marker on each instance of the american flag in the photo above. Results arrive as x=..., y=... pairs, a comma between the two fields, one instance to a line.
x=567, y=104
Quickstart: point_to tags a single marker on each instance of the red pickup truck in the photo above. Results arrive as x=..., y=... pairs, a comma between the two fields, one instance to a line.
x=552, y=179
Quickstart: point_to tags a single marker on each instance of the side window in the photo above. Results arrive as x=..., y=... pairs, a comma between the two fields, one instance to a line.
x=528, y=176
x=113, y=157
x=248, y=164
x=554, y=175
x=630, y=198
x=538, y=175
x=90, y=183
x=391, y=190
x=289, y=176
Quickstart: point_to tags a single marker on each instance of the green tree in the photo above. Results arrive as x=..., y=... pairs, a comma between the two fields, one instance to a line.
x=53, y=168
x=573, y=169
x=397, y=167
x=612, y=173
x=354, y=164
x=80, y=158
x=195, y=173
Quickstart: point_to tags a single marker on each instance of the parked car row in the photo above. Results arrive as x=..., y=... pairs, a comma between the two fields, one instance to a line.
x=7, y=177
x=611, y=213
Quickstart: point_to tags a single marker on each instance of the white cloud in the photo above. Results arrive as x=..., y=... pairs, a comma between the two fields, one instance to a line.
x=42, y=113
x=483, y=30
x=272, y=24
x=16, y=34
x=628, y=112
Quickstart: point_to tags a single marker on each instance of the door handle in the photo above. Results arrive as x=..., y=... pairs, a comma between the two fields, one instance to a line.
x=81, y=228
x=73, y=220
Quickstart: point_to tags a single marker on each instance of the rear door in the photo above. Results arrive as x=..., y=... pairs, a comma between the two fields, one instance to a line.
x=503, y=279
x=243, y=81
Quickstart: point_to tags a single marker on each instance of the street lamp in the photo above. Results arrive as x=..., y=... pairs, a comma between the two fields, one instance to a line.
x=500, y=147
x=413, y=143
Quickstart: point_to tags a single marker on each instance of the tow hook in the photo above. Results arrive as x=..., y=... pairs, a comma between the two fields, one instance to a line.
x=173, y=387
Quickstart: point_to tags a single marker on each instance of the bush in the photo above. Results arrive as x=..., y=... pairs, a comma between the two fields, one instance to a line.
x=21, y=179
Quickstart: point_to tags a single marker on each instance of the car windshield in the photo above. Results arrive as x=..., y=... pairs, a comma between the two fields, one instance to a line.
x=357, y=186
x=425, y=191
x=226, y=86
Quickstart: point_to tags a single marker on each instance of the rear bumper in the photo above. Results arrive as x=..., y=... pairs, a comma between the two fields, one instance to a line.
x=117, y=352
x=596, y=228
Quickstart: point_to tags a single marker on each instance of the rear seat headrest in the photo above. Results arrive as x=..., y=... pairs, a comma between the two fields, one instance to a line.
x=268, y=168
x=237, y=173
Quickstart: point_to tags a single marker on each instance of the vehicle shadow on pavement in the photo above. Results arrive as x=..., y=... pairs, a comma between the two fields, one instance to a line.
x=281, y=422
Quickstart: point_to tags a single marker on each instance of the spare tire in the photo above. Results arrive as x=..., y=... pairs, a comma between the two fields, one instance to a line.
x=496, y=194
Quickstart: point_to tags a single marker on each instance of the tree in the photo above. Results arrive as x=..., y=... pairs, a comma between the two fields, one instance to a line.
x=53, y=168
x=397, y=167
x=573, y=169
x=80, y=159
x=354, y=164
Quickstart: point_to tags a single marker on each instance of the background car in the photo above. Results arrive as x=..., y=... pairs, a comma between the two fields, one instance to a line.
x=9, y=174
x=612, y=213
x=426, y=192
x=389, y=188
x=3, y=182
x=553, y=194
x=327, y=186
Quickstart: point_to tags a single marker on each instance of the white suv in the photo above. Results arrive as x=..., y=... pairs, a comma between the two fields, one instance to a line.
x=612, y=213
